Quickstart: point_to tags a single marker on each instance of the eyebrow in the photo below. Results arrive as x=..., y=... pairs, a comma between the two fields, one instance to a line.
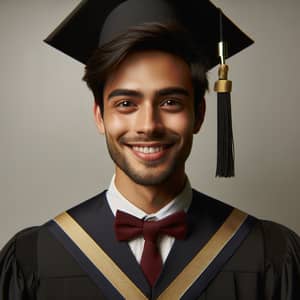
x=172, y=91
x=160, y=93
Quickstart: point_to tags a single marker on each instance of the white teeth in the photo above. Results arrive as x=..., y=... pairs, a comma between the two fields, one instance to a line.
x=147, y=149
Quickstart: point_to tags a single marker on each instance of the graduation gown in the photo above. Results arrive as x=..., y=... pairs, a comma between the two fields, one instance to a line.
x=265, y=263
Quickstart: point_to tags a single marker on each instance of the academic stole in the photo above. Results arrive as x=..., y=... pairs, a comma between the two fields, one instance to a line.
x=193, y=271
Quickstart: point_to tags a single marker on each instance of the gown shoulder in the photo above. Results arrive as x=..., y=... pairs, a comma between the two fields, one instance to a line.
x=18, y=265
x=282, y=261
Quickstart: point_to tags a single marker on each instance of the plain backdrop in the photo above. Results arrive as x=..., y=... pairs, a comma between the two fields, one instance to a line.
x=52, y=158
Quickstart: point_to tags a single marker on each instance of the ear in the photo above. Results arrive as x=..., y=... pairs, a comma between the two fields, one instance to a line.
x=199, y=115
x=98, y=118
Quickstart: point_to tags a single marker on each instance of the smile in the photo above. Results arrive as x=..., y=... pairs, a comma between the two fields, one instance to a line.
x=149, y=153
x=147, y=149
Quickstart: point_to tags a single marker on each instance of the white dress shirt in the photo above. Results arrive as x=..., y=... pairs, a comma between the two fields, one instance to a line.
x=117, y=201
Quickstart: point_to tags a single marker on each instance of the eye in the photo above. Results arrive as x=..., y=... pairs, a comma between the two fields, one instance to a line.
x=125, y=106
x=124, y=103
x=172, y=104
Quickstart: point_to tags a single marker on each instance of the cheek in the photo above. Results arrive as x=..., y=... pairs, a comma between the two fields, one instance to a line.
x=182, y=123
x=116, y=125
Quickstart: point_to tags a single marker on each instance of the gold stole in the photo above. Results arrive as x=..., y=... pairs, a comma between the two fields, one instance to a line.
x=179, y=285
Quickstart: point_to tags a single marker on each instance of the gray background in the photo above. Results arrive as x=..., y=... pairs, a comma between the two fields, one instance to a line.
x=51, y=156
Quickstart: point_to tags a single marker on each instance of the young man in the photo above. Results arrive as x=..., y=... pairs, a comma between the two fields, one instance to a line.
x=150, y=235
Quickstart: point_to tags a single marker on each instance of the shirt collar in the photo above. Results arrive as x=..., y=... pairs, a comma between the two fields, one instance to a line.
x=117, y=201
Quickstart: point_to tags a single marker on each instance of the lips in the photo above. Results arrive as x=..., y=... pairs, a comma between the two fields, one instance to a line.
x=147, y=149
x=150, y=152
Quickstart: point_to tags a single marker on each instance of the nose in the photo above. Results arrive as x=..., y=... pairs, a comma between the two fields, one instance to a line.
x=149, y=121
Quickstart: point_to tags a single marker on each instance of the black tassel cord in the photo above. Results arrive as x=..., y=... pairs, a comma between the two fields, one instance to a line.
x=225, y=159
x=225, y=155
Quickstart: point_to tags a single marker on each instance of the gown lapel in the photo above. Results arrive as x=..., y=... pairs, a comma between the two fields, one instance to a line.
x=96, y=218
x=206, y=215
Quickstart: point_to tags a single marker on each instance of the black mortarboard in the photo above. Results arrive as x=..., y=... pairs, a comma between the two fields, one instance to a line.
x=95, y=22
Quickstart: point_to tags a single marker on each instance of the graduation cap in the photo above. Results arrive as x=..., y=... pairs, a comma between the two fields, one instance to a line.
x=93, y=23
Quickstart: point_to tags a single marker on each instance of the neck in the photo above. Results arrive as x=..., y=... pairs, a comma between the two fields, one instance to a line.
x=149, y=198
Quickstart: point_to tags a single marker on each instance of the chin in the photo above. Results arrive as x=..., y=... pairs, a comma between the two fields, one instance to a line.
x=148, y=180
x=151, y=176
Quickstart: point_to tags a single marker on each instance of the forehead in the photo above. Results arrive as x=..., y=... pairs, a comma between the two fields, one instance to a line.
x=149, y=71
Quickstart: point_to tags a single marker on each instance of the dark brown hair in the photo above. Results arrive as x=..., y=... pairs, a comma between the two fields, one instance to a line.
x=168, y=38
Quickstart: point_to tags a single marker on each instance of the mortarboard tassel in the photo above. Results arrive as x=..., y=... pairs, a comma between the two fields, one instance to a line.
x=225, y=158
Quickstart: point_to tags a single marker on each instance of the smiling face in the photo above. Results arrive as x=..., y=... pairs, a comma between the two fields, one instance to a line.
x=149, y=117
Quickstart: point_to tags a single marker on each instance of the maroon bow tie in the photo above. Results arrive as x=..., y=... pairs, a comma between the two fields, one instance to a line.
x=128, y=227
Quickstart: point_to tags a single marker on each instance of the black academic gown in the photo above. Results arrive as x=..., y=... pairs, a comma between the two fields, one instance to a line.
x=36, y=264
